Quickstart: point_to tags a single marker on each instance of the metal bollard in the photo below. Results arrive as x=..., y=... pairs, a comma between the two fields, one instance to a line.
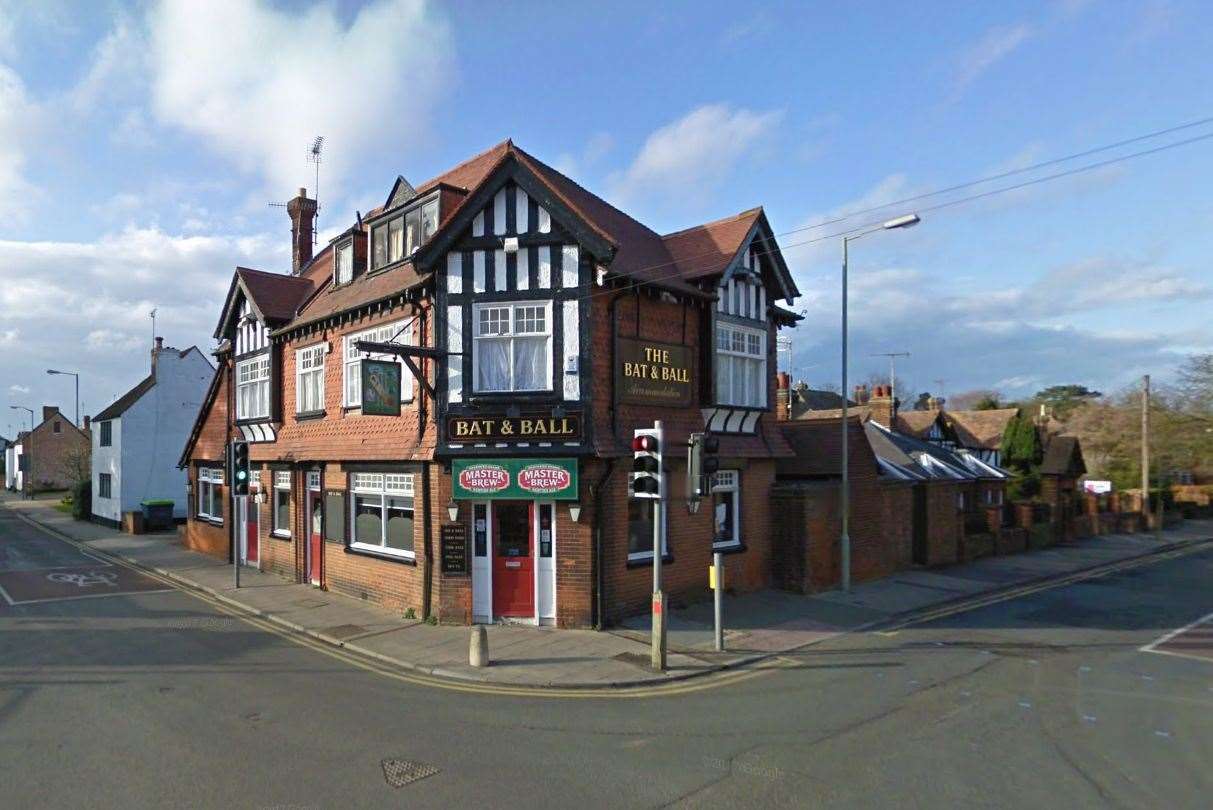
x=478, y=647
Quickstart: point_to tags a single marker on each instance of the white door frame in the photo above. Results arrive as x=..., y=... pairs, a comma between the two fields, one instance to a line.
x=482, y=575
x=313, y=494
x=535, y=529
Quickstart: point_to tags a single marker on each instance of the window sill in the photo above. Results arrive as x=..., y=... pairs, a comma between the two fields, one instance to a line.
x=305, y=416
x=280, y=535
x=209, y=520
x=729, y=548
x=253, y=420
x=646, y=560
x=381, y=555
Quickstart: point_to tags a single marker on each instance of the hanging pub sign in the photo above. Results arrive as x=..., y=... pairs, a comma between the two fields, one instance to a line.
x=529, y=427
x=380, y=388
x=652, y=373
x=515, y=478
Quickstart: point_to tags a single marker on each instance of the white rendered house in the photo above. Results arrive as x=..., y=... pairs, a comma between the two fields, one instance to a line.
x=137, y=439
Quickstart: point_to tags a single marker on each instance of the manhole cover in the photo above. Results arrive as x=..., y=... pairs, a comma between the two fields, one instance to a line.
x=344, y=631
x=636, y=659
x=400, y=772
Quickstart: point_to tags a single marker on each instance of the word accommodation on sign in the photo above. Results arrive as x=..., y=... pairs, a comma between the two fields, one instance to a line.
x=514, y=428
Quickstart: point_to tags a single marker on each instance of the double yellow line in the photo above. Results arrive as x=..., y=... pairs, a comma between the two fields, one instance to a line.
x=724, y=678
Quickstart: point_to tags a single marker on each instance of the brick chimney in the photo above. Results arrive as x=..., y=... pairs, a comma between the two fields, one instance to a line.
x=87, y=421
x=861, y=394
x=783, y=396
x=159, y=347
x=303, y=215
x=48, y=411
x=882, y=408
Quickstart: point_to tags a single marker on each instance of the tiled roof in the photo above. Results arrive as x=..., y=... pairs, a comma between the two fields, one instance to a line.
x=982, y=429
x=916, y=423
x=817, y=447
x=275, y=295
x=672, y=262
x=707, y=249
x=1063, y=456
x=122, y=403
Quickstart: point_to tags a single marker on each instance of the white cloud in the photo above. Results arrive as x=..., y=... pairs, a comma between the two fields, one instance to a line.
x=17, y=116
x=994, y=46
x=576, y=165
x=94, y=297
x=117, y=68
x=18, y=389
x=693, y=154
x=257, y=82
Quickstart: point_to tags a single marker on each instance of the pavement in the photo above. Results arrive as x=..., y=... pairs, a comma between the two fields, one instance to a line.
x=1045, y=696
x=759, y=625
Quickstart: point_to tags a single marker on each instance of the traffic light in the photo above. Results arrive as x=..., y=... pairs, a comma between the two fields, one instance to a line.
x=697, y=485
x=646, y=464
x=709, y=463
x=240, y=468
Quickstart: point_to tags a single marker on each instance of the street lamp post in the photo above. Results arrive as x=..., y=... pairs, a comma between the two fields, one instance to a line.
x=77, y=376
x=907, y=221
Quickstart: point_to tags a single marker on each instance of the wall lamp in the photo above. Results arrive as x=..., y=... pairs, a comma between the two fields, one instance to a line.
x=452, y=510
x=575, y=512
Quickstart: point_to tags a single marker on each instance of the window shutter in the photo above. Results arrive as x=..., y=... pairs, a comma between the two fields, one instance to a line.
x=334, y=517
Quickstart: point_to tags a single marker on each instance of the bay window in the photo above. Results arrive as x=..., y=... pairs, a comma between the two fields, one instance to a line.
x=726, y=511
x=309, y=379
x=512, y=346
x=253, y=388
x=382, y=513
x=388, y=333
x=210, y=490
x=282, y=503
x=741, y=366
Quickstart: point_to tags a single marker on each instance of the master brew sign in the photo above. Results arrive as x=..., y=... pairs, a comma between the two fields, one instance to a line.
x=531, y=427
x=652, y=373
x=515, y=478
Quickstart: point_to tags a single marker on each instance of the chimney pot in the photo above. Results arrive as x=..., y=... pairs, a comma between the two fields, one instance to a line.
x=87, y=420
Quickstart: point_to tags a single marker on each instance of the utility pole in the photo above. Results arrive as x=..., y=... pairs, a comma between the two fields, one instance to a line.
x=1145, y=449
x=892, y=371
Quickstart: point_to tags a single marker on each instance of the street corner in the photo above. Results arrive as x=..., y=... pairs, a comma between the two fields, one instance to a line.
x=77, y=582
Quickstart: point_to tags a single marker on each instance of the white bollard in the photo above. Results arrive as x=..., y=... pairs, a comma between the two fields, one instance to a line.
x=478, y=647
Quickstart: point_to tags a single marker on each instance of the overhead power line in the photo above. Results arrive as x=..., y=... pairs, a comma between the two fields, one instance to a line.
x=936, y=207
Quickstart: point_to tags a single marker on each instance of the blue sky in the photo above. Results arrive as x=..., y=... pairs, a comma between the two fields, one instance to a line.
x=140, y=144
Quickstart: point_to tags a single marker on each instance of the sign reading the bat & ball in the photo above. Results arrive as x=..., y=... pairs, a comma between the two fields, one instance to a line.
x=536, y=427
x=380, y=388
x=652, y=373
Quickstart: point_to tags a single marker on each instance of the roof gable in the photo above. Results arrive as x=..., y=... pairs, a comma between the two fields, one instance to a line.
x=123, y=403
x=1063, y=456
x=273, y=297
x=401, y=193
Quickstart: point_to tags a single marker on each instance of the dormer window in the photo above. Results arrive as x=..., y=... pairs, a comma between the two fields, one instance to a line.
x=343, y=271
x=399, y=236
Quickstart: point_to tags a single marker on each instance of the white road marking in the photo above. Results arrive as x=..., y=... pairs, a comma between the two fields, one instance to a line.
x=87, y=596
x=1153, y=645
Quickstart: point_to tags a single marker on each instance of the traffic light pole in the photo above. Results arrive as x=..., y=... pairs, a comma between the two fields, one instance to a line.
x=231, y=455
x=658, y=621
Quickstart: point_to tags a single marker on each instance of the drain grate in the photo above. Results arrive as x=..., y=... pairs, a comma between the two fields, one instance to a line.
x=401, y=772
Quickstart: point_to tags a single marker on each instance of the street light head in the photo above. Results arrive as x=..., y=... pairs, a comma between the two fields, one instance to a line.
x=52, y=371
x=908, y=221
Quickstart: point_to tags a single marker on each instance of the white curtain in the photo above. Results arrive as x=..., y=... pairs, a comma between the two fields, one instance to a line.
x=530, y=363
x=492, y=365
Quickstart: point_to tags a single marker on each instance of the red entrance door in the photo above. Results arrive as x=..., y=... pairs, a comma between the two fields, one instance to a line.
x=316, y=529
x=513, y=560
x=251, y=514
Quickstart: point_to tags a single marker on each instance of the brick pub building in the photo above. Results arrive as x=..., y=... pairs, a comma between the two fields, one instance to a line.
x=544, y=326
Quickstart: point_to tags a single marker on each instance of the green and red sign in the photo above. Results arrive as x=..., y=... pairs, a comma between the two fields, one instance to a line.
x=515, y=478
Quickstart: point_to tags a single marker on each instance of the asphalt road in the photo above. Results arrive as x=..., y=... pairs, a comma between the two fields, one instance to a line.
x=157, y=698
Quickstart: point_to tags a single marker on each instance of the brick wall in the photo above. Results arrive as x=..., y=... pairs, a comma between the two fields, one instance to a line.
x=210, y=446
x=945, y=522
x=56, y=458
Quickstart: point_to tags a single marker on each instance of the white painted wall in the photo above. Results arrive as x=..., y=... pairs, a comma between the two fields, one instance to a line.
x=149, y=436
x=107, y=460
x=10, y=466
